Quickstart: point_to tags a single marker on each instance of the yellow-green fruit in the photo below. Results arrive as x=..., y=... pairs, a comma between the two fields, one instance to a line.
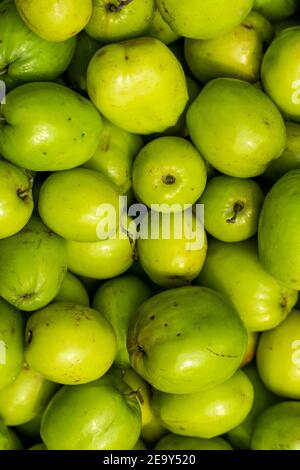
x=186, y=340
x=251, y=349
x=73, y=290
x=278, y=357
x=118, y=301
x=174, y=442
x=277, y=428
x=235, y=270
x=11, y=343
x=199, y=414
x=101, y=415
x=202, y=19
x=55, y=20
x=172, y=254
x=9, y=439
x=245, y=142
x=161, y=30
x=25, y=398
x=139, y=85
x=69, y=344
x=276, y=9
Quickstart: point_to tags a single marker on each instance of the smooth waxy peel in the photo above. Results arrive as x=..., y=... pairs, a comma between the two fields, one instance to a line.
x=73, y=290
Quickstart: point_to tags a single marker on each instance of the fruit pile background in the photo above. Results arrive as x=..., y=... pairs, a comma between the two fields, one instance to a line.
x=121, y=342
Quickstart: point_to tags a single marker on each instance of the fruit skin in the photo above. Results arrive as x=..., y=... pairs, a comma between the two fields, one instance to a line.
x=174, y=442
x=276, y=10
x=76, y=72
x=140, y=445
x=232, y=207
x=33, y=265
x=24, y=57
x=11, y=343
x=40, y=446
x=48, y=127
x=186, y=340
x=129, y=77
x=237, y=54
x=73, y=290
x=278, y=242
x=69, y=344
x=115, y=155
x=55, y=20
x=169, y=170
x=83, y=192
x=31, y=429
x=278, y=357
x=246, y=142
x=9, y=440
x=234, y=269
x=177, y=259
x=25, y=398
x=116, y=21
x=277, y=428
x=198, y=414
x=203, y=20
x=118, y=301
x=240, y=437
x=251, y=349
x=159, y=29
x=101, y=415
x=279, y=73
x=16, y=201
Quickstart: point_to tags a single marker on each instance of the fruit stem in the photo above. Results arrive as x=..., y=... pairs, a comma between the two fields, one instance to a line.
x=237, y=208
x=115, y=8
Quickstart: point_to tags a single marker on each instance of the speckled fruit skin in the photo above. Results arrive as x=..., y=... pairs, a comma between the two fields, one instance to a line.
x=186, y=340
x=204, y=19
x=276, y=10
x=247, y=142
x=174, y=442
x=277, y=428
x=101, y=415
x=11, y=343
x=198, y=414
x=116, y=21
x=234, y=269
x=33, y=265
x=118, y=301
x=139, y=85
x=55, y=20
x=73, y=290
x=48, y=127
x=278, y=241
x=278, y=358
x=69, y=344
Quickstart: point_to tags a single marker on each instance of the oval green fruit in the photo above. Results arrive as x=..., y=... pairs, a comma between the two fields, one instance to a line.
x=9, y=439
x=138, y=85
x=276, y=10
x=101, y=415
x=73, y=290
x=186, y=340
x=246, y=142
x=199, y=414
x=69, y=344
x=175, y=442
x=33, y=264
x=48, y=127
x=160, y=29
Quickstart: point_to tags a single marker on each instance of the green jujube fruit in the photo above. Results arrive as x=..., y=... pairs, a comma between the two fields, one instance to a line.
x=276, y=10
x=175, y=442
x=161, y=30
x=235, y=270
x=118, y=301
x=101, y=415
x=25, y=57
x=9, y=439
x=48, y=127
x=198, y=414
x=246, y=142
x=11, y=343
x=69, y=344
x=186, y=340
x=73, y=290
x=33, y=264
x=278, y=241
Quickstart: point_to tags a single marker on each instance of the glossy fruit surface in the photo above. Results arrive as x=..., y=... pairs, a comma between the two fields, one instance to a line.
x=73, y=290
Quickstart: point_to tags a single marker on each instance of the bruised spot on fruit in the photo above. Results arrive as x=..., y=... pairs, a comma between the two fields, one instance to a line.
x=221, y=355
x=152, y=317
x=168, y=179
x=283, y=303
x=24, y=194
x=166, y=324
x=113, y=8
x=29, y=337
x=237, y=208
x=247, y=26
x=178, y=334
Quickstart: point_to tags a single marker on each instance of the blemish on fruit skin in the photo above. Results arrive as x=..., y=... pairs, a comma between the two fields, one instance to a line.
x=153, y=317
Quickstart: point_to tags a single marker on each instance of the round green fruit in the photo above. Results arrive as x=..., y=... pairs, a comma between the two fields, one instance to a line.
x=9, y=440
x=160, y=29
x=73, y=290
x=276, y=10
x=175, y=442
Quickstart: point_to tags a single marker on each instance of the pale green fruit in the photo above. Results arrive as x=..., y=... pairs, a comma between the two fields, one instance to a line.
x=11, y=343
x=161, y=30
x=25, y=398
x=276, y=9
x=186, y=340
x=209, y=413
x=118, y=301
x=9, y=439
x=234, y=142
x=235, y=270
x=139, y=85
x=16, y=202
x=175, y=442
x=116, y=20
x=73, y=290
x=69, y=344
x=55, y=20
x=101, y=415
x=83, y=192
